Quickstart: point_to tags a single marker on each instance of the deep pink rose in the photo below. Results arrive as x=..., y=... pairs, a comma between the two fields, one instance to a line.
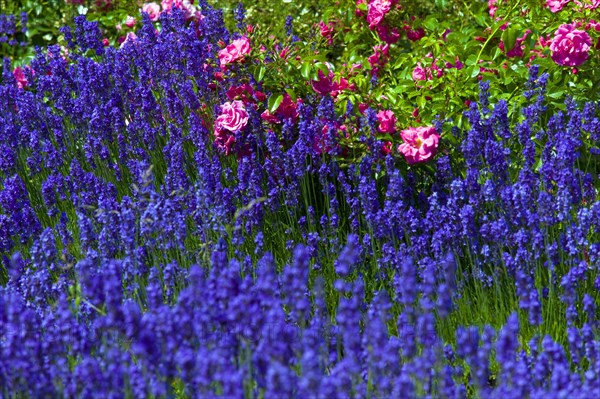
x=556, y=5
x=20, y=77
x=235, y=51
x=570, y=46
x=153, y=10
x=387, y=121
x=387, y=34
x=420, y=144
x=324, y=85
x=376, y=11
x=414, y=35
x=233, y=116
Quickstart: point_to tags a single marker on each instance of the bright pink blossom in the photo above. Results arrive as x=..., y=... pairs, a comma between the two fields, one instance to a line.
x=20, y=77
x=327, y=31
x=379, y=58
x=233, y=116
x=326, y=84
x=377, y=9
x=570, y=46
x=556, y=5
x=589, y=4
x=235, y=51
x=286, y=110
x=387, y=121
x=492, y=7
x=421, y=73
x=420, y=144
x=153, y=10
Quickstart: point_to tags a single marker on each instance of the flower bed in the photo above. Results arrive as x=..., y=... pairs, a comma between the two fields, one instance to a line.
x=199, y=210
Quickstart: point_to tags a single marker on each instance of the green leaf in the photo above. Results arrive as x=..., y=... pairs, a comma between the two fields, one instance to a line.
x=509, y=37
x=305, y=71
x=475, y=71
x=292, y=94
x=261, y=73
x=274, y=102
x=471, y=59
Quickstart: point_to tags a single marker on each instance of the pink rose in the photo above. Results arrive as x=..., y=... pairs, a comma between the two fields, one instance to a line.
x=324, y=85
x=589, y=4
x=492, y=7
x=570, y=46
x=556, y=5
x=379, y=57
x=235, y=51
x=153, y=10
x=377, y=9
x=327, y=31
x=420, y=144
x=387, y=121
x=233, y=118
x=130, y=21
x=414, y=35
x=420, y=73
x=20, y=77
x=387, y=34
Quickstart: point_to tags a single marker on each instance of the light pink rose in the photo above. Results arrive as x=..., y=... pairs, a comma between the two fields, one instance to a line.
x=570, y=46
x=377, y=9
x=153, y=10
x=233, y=116
x=420, y=144
x=492, y=7
x=387, y=121
x=556, y=5
x=235, y=51
x=130, y=21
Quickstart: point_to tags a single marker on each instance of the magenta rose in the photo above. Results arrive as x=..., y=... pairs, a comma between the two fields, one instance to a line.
x=235, y=51
x=556, y=5
x=233, y=116
x=376, y=11
x=20, y=77
x=153, y=11
x=570, y=46
x=387, y=121
x=420, y=144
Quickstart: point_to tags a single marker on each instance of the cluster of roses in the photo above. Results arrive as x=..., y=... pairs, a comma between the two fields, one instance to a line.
x=420, y=143
x=154, y=10
x=377, y=10
x=570, y=46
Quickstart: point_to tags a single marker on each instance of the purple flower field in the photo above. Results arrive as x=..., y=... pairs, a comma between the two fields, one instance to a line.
x=200, y=208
